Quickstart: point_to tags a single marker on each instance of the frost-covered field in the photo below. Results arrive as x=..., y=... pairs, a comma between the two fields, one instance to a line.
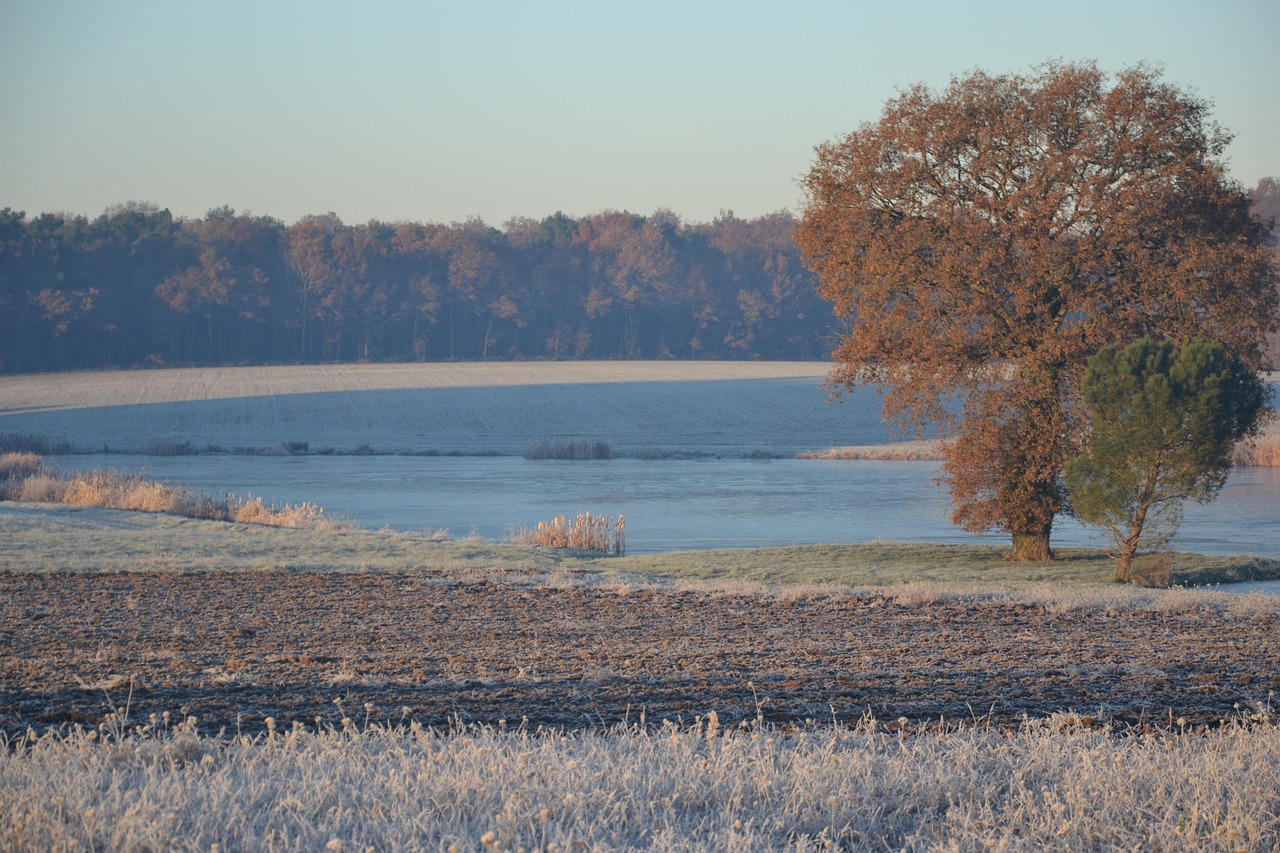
x=469, y=407
x=491, y=407
x=1053, y=785
x=1060, y=781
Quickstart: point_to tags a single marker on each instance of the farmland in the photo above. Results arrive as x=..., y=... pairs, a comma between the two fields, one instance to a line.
x=467, y=408
x=445, y=408
x=377, y=690
x=177, y=683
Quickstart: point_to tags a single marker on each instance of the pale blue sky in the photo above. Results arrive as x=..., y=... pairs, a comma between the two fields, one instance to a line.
x=435, y=111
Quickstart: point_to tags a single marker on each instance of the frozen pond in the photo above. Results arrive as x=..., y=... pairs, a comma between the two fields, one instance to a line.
x=668, y=504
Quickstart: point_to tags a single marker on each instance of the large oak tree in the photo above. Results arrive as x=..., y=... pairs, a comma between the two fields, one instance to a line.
x=983, y=241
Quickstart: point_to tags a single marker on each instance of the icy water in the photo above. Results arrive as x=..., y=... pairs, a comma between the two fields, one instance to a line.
x=669, y=505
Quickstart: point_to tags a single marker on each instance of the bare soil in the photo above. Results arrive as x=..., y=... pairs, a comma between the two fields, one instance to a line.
x=235, y=648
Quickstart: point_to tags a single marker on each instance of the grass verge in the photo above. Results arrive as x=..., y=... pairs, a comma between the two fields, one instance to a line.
x=961, y=566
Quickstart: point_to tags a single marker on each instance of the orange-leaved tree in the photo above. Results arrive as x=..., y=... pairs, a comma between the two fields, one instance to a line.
x=981, y=242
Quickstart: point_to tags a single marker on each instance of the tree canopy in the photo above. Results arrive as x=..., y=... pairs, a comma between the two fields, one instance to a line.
x=1163, y=420
x=138, y=286
x=981, y=242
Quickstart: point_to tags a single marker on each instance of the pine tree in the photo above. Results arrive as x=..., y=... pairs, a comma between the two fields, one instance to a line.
x=1163, y=420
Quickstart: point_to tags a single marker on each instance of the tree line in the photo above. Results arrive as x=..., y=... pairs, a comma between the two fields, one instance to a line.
x=138, y=286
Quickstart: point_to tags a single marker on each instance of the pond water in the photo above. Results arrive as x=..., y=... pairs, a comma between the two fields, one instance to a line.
x=668, y=504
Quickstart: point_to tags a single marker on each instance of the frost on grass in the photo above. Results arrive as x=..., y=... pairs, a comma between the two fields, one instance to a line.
x=694, y=786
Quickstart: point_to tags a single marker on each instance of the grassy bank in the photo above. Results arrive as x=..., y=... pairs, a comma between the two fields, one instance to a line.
x=47, y=537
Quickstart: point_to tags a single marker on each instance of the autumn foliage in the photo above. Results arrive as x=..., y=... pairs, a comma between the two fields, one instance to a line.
x=137, y=286
x=982, y=242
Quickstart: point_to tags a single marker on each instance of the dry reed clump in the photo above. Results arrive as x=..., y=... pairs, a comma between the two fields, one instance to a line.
x=25, y=442
x=574, y=448
x=23, y=477
x=1261, y=451
x=304, y=516
x=1153, y=570
x=924, y=450
x=1054, y=784
x=18, y=466
x=930, y=593
x=600, y=533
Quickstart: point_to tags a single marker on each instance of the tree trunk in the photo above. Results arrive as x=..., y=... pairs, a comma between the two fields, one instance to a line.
x=1129, y=546
x=1031, y=546
x=1123, y=565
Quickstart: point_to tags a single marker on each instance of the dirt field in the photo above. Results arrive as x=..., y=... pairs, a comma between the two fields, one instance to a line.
x=234, y=648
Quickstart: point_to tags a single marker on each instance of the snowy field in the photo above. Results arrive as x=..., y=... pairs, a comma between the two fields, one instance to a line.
x=448, y=408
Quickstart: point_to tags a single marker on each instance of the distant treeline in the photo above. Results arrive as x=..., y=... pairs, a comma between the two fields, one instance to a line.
x=136, y=286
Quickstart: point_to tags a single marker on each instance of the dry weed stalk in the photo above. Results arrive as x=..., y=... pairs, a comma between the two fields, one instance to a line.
x=600, y=533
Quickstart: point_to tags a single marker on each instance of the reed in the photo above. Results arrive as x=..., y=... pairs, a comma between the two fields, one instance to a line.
x=18, y=466
x=24, y=477
x=601, y=534
x=913, y=451
x=24, y=442
x=1261, y=451
x=574, y=448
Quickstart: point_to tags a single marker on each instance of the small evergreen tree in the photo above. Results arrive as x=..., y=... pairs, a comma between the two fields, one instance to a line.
x=1163, y=421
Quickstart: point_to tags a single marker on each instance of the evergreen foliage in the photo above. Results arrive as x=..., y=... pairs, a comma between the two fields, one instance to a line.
x=1164, y=419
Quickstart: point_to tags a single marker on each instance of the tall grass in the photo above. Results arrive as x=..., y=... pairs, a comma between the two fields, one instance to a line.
x=602, y=534
x=1055, y=784
x=23, y=477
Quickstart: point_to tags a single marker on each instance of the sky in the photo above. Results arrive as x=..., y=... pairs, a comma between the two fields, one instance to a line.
x=439, y=111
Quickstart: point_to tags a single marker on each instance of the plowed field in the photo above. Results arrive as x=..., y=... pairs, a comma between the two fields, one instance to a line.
x=235, y=648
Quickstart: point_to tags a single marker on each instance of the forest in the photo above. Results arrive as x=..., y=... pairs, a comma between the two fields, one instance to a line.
x=137, y=286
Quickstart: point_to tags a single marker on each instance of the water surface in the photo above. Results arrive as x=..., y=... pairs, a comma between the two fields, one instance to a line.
x=668, y=504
